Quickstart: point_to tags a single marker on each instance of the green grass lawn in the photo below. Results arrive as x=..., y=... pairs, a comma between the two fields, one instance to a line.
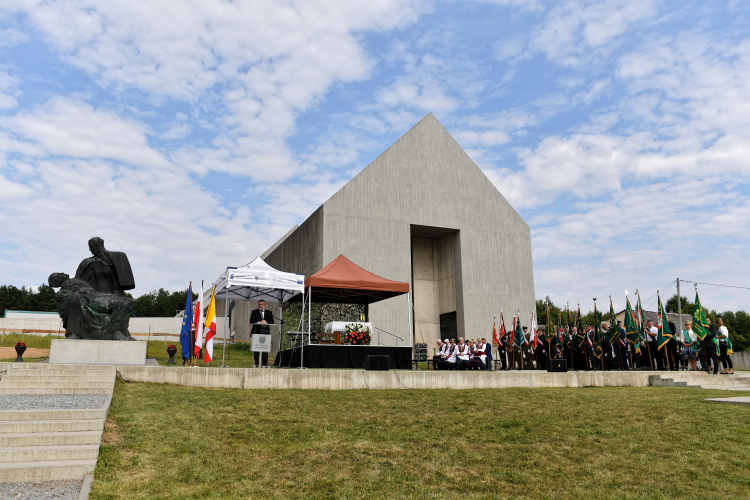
x=167, y=441
x=236, y=356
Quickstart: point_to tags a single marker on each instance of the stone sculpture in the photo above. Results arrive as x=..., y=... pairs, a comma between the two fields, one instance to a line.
x=92, y=305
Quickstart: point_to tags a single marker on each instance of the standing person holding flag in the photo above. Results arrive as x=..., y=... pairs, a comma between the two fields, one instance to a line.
x=597, y=340
x=664, y=332
x=551, y=337
x=198, y=320
x=702, y=330
x=642, y=332
x=187, y=323
x=517, y=343
x=631, y=333
x=210, y=329
x=502, y=342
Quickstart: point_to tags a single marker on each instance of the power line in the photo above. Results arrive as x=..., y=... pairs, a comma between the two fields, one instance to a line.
x=714, y=284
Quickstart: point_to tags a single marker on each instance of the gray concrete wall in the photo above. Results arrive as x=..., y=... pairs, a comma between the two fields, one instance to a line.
x=424, y=179
x=741, y=360
x=249, y=378
x=302, y=251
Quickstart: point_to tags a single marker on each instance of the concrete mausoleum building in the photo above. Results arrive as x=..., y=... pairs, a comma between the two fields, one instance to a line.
x=424, y=213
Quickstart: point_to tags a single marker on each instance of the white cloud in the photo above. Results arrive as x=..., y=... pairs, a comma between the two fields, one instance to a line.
x=75, y=129
x=577, y=27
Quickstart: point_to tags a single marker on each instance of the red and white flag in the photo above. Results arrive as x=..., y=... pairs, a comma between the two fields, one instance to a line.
x=198, y=320
x=210, y=330
x=532, y=329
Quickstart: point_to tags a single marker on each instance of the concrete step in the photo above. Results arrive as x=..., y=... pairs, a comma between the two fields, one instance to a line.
x=724, y=388
x=46, y=471
x=21, y=426
x=30, y=415
x=74, y=390
x=48, y=453
x=8, y=384
x=50, y=438
x=47, y=366
x=24, y=376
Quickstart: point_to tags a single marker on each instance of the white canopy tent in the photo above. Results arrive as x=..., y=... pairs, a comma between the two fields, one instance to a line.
x=257, y=281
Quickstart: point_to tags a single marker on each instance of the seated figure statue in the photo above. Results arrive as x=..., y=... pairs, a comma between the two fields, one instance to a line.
x=90, y=314
x=93, y=305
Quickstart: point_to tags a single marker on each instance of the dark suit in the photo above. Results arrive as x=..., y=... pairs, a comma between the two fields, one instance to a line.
x=256, y=317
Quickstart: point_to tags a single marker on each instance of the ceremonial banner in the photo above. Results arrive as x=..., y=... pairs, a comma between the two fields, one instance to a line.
x=631, y=326
x=664, y=332
x=210, y=327
x=187, y=322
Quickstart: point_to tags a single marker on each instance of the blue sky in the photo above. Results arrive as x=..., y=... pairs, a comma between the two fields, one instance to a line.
x=193, y=134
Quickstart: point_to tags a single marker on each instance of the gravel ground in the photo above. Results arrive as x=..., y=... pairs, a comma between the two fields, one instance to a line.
x=52, y=402
x=57, y=490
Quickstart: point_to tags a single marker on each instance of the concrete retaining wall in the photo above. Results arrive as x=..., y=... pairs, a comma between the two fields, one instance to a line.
x=250, y=378
x=741, y=360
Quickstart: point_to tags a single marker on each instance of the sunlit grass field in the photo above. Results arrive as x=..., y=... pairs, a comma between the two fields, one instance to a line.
x=167, y=441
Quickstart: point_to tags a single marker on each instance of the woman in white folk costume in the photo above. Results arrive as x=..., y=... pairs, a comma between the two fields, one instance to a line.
x=462, y=354
x=450, y=361
x=725, y=346
x=689, y=342
x=479, y=355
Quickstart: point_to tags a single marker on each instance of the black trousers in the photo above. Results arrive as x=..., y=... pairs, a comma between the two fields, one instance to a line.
x=725, y=358
x=501, y=356
x=579, y=358
x=607, y=357
x=712, y=358
x=256, y=355
x=674, y=360
x=622, y=356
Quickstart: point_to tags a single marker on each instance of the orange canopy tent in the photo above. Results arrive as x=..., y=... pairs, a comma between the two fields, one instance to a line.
x=344, y=282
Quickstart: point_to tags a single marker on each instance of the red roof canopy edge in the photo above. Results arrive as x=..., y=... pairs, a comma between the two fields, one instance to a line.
x=343, y=273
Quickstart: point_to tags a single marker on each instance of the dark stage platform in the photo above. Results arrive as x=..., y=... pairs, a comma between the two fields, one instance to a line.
x=343, y=356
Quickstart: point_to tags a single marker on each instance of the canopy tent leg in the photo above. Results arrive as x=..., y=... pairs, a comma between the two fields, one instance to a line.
x=226, y=319
x=281, y=314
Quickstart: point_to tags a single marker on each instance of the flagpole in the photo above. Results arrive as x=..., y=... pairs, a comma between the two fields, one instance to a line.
x=226, y=314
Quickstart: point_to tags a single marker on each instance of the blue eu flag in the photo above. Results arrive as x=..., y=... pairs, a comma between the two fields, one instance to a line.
x=187, y=322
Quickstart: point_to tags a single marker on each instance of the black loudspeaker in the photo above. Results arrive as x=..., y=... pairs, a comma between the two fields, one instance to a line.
x=557, y=365
x=379, y=362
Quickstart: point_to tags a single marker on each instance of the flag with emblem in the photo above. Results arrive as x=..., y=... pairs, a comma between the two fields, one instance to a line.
x=187, y=323
x=631, y=326
x=664, y=332
x=198, y=321
x=210, y=329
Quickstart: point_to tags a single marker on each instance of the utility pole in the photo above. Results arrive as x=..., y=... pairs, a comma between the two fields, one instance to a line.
x=679, y=307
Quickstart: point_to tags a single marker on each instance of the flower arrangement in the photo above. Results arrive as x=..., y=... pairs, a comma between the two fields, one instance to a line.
x=20, y=344
x=358, y=334
x=171, y=346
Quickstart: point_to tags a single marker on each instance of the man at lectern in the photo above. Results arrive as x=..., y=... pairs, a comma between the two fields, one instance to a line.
x=260, y=318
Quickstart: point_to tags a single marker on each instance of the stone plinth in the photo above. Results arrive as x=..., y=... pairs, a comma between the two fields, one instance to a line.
x=97, y=352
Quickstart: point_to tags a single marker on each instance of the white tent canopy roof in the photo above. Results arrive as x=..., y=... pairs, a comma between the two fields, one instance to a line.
x=258, y=281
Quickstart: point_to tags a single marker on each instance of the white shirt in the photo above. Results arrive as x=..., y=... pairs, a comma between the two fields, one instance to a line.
x=723, y=331
x=654, y=332
x=480, y=351
x=464, y=355
x=452, y=355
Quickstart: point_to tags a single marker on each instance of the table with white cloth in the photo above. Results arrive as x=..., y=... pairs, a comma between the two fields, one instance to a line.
x=335, y=331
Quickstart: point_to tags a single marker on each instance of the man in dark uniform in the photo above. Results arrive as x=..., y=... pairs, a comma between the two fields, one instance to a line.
x=622, y=348
x=674, y=360
x=260, y=318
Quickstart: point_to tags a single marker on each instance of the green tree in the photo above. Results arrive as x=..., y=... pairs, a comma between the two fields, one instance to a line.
x=687, y=306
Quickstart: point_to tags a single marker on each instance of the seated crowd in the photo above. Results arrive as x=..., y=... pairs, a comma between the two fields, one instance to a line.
x=464, y=355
